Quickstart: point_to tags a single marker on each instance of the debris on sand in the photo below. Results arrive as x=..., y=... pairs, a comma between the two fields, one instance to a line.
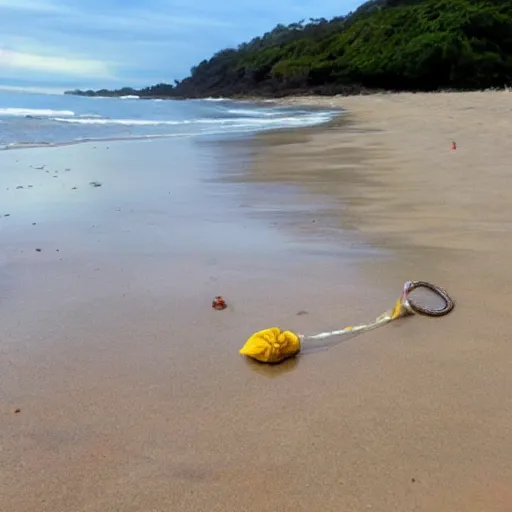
x=219, y=303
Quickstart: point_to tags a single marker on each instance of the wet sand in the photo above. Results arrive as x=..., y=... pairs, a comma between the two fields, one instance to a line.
x=131, y=392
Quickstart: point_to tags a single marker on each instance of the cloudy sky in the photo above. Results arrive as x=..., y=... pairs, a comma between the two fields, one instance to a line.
x=60, y=44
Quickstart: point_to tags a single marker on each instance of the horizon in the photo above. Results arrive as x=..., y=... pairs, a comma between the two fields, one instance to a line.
x=51, y=46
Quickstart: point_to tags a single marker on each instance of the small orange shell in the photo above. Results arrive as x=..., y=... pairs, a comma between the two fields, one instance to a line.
x=219, y=303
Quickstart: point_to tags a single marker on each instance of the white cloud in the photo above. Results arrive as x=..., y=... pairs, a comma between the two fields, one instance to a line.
x=29, y=5
x=61, y=39
x=10, y=59
x=39, y=90
x=147, y=22
x=139, y=41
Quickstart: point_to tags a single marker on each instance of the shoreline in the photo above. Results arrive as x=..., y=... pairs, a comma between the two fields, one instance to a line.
x=306, y=93
x=216, y=133
x=303, y=100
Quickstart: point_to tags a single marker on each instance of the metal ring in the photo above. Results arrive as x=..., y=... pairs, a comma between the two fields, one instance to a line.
x=449, y=304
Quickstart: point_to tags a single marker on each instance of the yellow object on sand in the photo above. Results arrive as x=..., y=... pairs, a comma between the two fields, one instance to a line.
x=271, y=345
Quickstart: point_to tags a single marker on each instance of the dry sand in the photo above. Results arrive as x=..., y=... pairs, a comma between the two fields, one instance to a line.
x=131, y=392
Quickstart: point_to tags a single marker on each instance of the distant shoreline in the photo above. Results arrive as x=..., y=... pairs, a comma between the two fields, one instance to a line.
x=304, y=94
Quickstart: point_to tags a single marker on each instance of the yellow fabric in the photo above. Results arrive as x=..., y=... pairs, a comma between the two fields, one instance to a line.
x=271, y=345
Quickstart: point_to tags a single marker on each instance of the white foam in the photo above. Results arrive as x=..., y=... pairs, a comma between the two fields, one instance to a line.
x=213, y=99
x=125, y=122
x=241, y=122
x=284, y=121
x=240, y=126
x=35, y=112
x=129, y=97
x=250, y=113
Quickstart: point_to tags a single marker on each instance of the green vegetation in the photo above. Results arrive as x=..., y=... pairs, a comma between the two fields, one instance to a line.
x=415, y=45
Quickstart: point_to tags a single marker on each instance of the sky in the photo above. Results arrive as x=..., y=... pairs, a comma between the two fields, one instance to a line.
x=63, y=44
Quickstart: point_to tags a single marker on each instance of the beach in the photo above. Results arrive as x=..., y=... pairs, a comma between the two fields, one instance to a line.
x=122, y=389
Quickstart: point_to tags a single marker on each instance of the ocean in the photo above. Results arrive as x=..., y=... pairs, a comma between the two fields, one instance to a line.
x=28, y=119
